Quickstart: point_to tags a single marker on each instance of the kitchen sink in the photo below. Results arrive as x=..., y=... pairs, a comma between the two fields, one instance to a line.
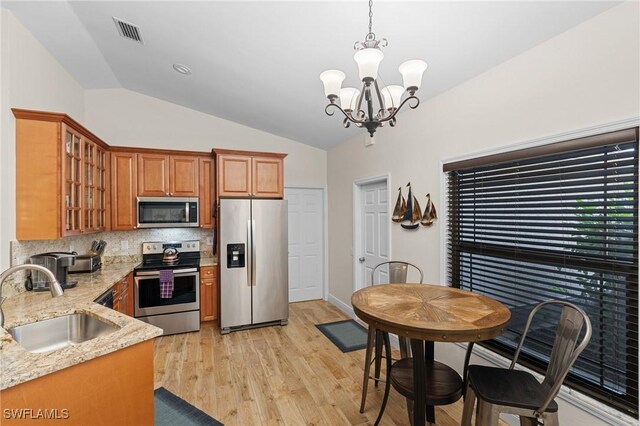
x=60, y=332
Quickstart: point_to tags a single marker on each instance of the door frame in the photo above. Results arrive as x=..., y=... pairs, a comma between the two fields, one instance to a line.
x=357, y=226
x=325, y=237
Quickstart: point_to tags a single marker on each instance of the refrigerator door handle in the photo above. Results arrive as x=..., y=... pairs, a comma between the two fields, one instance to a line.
x=249, y=264
x=253, y=253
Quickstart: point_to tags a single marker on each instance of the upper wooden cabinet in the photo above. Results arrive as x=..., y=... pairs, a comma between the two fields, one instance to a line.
x=267, y=177
x=207, y=195
x=123, y=191
x=61, y=177
x=167, y=175
x=249, y=174
x=153, y=175
x=96, y=164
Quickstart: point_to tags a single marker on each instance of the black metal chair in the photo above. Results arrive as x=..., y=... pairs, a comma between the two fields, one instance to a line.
x=501, y=390
x=397, y=272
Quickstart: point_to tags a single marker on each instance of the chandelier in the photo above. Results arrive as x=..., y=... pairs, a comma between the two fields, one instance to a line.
x=380, y=105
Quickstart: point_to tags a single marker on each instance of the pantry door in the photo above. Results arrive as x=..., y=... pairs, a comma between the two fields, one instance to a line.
x=306, y=243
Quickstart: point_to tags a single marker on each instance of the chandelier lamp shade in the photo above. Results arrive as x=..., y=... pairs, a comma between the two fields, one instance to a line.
x=372, y=106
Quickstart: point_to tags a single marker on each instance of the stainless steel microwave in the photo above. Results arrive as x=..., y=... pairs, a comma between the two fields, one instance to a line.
x=168, y=212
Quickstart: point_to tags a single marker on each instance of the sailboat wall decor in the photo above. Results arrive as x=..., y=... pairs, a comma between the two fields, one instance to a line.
x=430, y=215
x=401, y=207
x=413, y=214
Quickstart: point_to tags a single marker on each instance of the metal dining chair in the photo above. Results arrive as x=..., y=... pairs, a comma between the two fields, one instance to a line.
x=501, y=390
x=397, y=273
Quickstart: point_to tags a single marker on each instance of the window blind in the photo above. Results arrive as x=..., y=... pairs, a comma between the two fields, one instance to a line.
x=556, y=224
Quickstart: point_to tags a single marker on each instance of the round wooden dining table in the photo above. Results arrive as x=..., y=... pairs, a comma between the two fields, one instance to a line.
x=427, y=313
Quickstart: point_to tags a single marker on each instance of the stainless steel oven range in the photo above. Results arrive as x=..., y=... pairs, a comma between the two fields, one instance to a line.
x=174, y=308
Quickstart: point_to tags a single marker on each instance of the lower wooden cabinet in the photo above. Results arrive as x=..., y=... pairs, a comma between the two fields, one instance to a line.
x=113, y=389
x=123, y=295
x=208, y=293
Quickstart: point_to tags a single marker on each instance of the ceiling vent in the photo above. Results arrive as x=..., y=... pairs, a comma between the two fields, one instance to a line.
x=129, y=31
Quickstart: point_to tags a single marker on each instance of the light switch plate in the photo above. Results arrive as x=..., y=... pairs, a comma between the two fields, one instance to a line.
x=210, y=241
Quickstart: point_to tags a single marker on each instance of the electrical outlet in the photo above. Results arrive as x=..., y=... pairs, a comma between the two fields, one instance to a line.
x=124, y=245
x=210, y=241
x=20, y=260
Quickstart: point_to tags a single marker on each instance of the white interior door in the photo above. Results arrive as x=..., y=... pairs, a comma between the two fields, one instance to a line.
x=374, y=226
x=306, y=243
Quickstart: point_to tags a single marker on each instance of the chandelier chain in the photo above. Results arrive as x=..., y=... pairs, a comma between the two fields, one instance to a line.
x=371, y=35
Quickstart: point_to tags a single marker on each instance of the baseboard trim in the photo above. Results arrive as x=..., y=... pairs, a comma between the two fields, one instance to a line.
x=342, y=306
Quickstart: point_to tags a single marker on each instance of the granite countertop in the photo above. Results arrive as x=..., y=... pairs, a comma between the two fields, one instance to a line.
x=17, y=365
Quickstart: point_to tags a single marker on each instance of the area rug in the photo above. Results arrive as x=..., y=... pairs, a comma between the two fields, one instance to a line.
x=171, y=410
x=347, y=335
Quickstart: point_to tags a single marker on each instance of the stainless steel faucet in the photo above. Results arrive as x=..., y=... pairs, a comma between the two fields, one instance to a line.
x=54, y=285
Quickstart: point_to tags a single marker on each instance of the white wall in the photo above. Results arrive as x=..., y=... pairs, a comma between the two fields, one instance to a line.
x=586, y=76
x=30, y=78
x=123, y=117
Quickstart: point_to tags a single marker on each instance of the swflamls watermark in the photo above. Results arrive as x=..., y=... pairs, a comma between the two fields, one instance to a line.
x=35, y=413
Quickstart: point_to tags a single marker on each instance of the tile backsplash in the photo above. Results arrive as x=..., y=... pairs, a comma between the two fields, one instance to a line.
x=120, y=244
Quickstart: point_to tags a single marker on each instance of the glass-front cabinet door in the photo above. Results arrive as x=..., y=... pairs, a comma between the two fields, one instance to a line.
x=101, y=188
x=94, y=187
x=89, y=211
x=72, y=182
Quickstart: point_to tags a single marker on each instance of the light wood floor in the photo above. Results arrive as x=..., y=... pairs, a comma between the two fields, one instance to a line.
x=277, y=375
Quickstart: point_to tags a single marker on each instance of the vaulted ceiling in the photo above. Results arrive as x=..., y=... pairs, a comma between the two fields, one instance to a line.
x=257, y=63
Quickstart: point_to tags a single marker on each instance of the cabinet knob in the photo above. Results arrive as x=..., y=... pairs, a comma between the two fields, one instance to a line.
x=167, y=194
x=135, y=227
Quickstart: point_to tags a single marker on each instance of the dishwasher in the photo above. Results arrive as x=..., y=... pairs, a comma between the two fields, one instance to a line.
x=106, y=299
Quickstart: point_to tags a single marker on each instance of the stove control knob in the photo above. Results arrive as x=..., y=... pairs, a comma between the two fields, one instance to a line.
x=155, y=247
x=148, y=247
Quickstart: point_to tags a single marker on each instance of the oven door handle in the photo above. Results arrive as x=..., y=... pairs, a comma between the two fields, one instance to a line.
x=177, y=272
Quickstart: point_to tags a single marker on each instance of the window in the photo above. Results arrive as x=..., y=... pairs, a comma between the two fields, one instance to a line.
x=556, y=222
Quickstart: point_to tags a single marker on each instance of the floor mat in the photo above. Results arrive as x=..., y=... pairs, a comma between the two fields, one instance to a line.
x=171, y=410
x=347, y=335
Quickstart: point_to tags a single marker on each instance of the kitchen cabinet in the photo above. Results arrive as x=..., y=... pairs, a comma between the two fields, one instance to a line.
x=162, y=175
x=249, y=174
x=123, y=295
x=123, y=191
x=59, y=164
x=96, y=160
x=267, y=177
x=208, y=293
x=113, y=389
x=207, y=195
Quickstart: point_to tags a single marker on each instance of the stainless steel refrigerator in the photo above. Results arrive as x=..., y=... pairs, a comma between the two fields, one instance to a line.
x=254, y=263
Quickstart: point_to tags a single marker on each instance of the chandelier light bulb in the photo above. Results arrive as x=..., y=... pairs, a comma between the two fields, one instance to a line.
x=349, y=98
x=412, y=74
x=392, y=96
x=368, y=60
x=332, y=80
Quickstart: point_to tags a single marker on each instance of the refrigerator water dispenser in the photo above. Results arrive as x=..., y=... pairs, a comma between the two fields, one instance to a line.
x=235, y=255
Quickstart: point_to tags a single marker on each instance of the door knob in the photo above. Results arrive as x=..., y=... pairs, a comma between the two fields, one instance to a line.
x=361, y=259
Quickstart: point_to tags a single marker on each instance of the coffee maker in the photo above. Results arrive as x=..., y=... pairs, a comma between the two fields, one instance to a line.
x=58, y=263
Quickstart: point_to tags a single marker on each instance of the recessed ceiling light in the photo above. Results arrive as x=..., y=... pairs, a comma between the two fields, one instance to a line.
x=182, y=69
